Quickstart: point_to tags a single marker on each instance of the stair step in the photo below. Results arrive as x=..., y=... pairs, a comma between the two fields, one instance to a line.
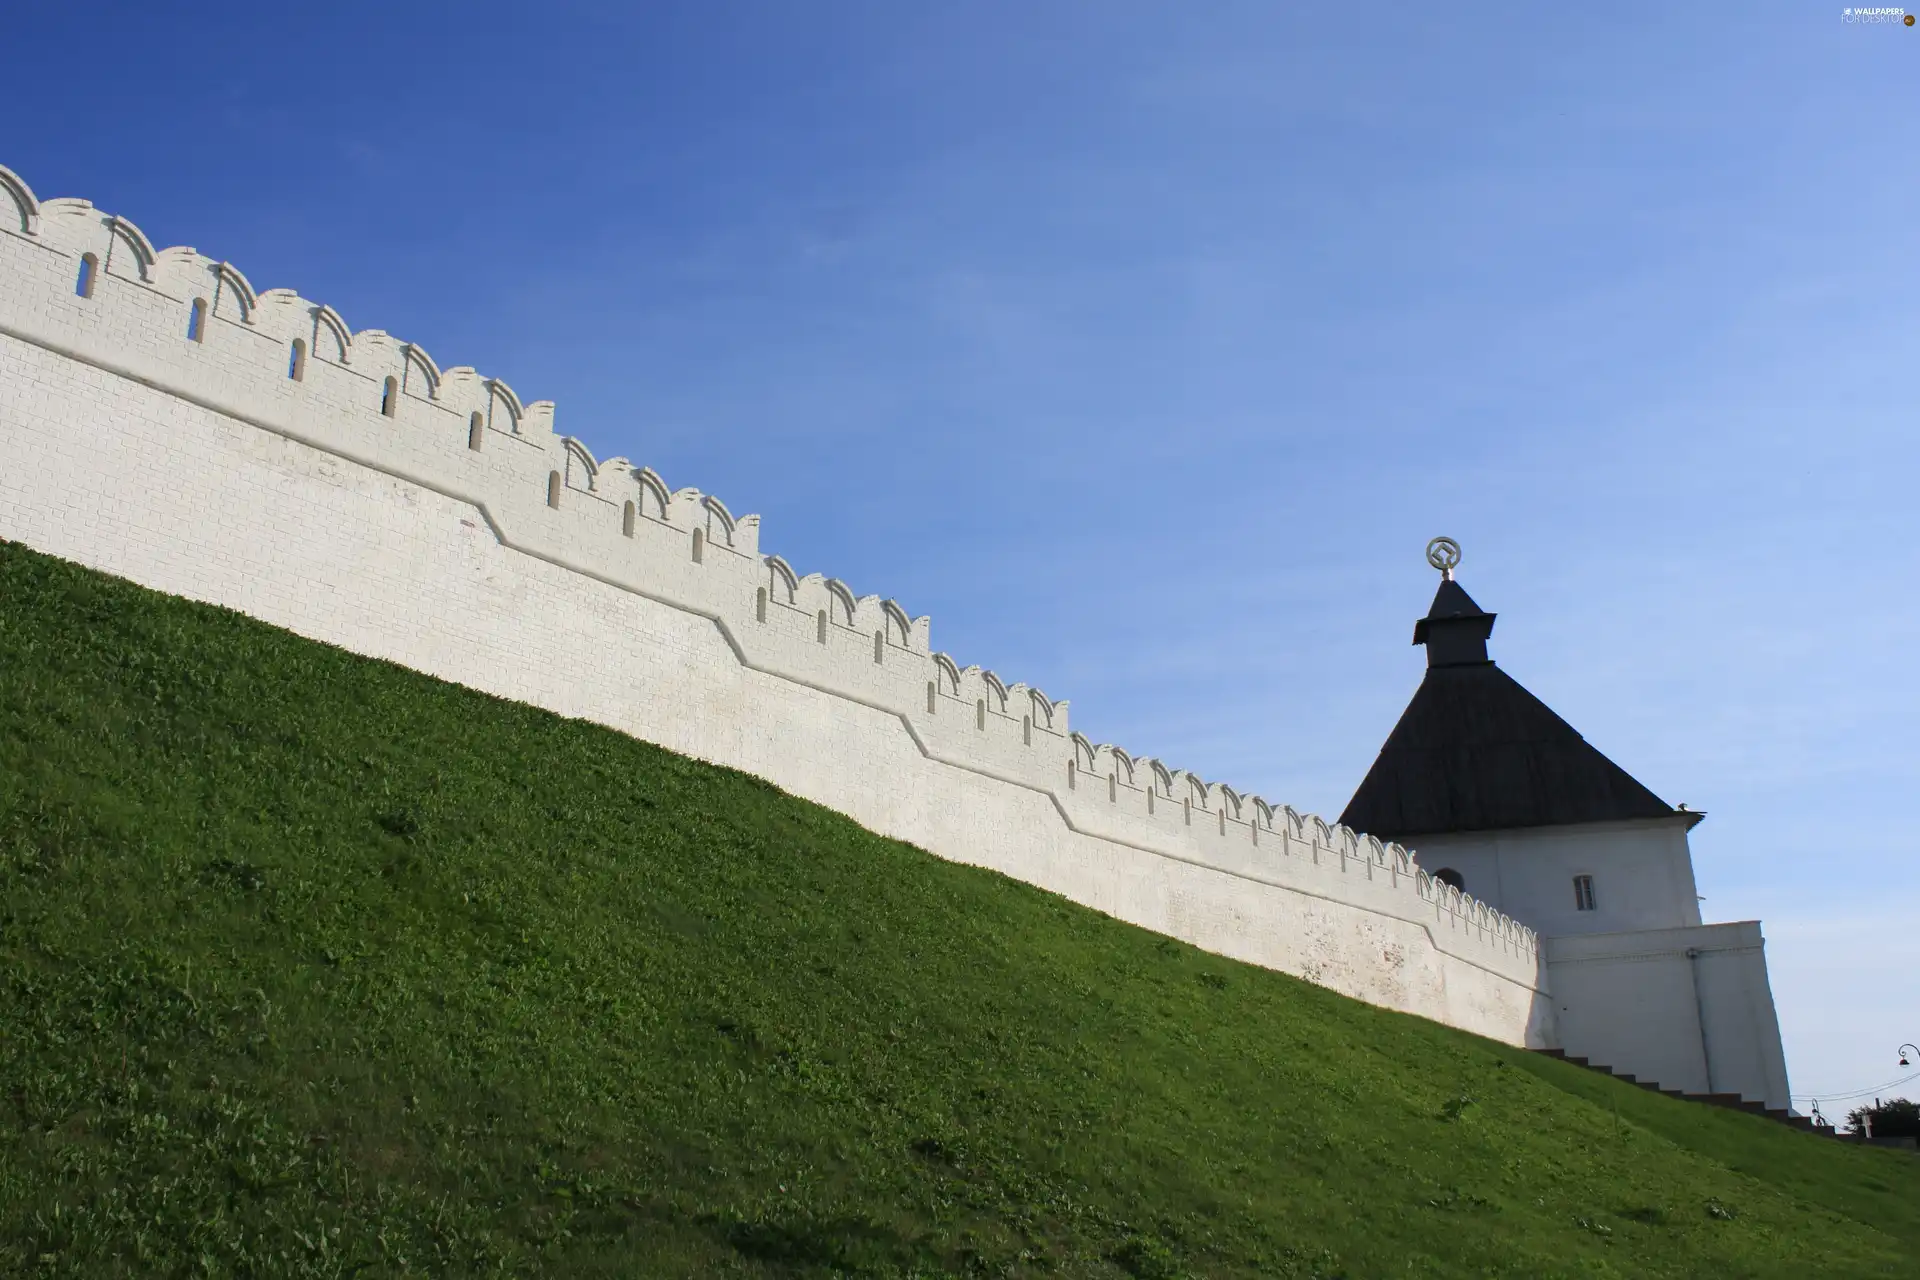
x=1729, y=1101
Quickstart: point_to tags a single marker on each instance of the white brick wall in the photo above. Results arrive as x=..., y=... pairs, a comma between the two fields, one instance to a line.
x=202, y=469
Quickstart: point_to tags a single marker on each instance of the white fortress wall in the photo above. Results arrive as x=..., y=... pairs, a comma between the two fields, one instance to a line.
x=180, y=430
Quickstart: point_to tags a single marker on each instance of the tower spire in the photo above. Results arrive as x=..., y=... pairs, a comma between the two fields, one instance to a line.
x=1455, y=629
x=1474, y=751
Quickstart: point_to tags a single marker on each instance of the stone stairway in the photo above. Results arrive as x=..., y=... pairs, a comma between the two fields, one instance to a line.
x=1731, y=1101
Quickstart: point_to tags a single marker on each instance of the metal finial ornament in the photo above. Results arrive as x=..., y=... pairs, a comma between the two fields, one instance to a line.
x=1443, y=554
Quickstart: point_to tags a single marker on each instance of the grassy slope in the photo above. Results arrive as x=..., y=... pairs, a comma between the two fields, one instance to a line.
x=313, y=965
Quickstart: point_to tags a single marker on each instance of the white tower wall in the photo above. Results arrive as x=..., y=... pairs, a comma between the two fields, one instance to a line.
x=1641, y=871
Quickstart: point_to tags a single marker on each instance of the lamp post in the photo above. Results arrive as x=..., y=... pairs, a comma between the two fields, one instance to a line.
x=1904, y=1050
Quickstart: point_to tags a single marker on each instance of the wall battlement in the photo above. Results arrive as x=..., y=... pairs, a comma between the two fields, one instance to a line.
x=89, y=290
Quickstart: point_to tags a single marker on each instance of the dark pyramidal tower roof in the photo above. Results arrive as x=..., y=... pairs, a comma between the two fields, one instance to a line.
x=1476, y=752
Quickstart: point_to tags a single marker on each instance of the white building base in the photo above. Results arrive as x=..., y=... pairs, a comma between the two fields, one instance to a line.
x=1688, y=1009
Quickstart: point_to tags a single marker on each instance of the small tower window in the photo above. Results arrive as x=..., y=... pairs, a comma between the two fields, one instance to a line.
x=390, y=397
x=980, y=714
x=1451, y=878
x=1026, y=730
x=197, y=321
x=1583, y=893
x=1113, y=788
x=1223, y=819
x=1073, y=772
x=1186, y=812
x=820, y=626
x=759, y=596
x=89, y=265
x=699, y=545
x=297, y=361
x=553, y=484
x=932, y=694
x=477, y=433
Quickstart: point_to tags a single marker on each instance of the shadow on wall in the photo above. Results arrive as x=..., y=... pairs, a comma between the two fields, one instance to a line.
x=1543, y=1022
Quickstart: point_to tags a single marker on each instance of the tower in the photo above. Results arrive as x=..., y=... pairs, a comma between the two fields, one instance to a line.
x=1503, y=799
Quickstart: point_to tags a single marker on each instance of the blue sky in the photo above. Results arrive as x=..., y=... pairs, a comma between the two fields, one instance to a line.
x=1144, y=347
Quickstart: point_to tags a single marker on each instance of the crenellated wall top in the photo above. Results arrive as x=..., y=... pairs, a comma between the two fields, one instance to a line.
x=289, y=329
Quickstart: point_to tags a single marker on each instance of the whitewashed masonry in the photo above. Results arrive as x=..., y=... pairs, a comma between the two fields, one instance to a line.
x=163, y=422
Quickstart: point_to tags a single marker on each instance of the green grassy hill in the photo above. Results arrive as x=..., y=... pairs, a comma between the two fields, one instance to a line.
x=315, y=966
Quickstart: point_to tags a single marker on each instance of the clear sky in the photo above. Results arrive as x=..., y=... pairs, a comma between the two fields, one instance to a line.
x=1145, y=346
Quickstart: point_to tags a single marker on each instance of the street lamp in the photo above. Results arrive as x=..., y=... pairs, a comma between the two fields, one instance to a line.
x=1903, y=1054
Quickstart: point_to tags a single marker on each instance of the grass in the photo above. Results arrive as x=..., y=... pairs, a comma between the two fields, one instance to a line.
x=313, y=966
